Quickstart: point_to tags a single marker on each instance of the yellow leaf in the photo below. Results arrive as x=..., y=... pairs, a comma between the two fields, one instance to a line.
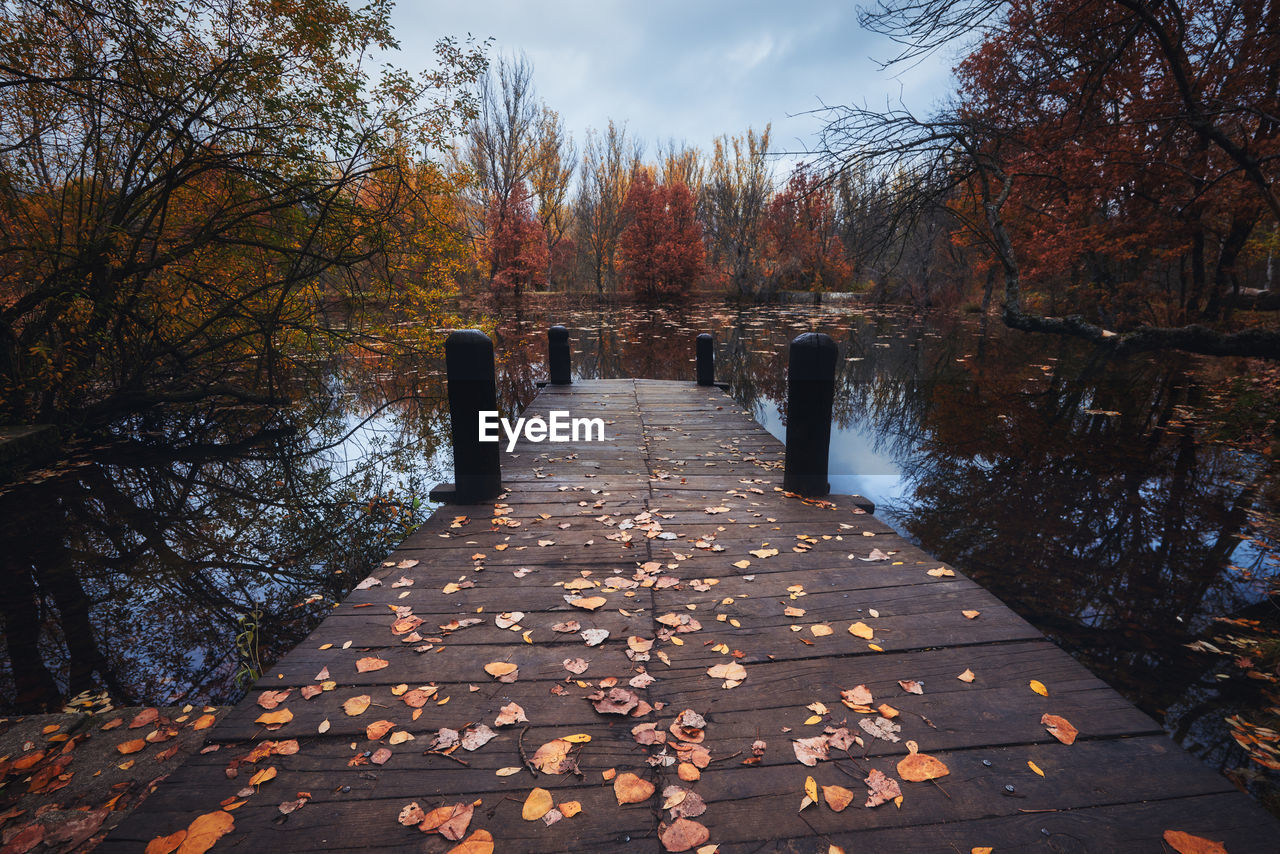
x=861, y=630
x=589, y=603
x=576, y=738
x=277, y=718
x=813, y=719
x=742, y=564
x=357, y=705
x=630, y=789
x=811, y=789
x=538, y=804
x=1038, y=687
x=1034, y=767
x=479, y=842
x=498, y=669
x=508, y=771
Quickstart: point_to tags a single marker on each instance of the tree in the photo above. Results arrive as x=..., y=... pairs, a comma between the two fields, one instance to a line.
x=517, y=245
x=608, y=162
x=182, y=182
x=804, y=244
x=1115, y=156
x=662, y=246
x=554, y=162
x=738, y=185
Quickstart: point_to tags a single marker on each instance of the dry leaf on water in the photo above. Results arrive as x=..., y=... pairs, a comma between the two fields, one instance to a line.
x=479, y=842
x=682, y=835
x=538, y=804
x=837, y=797
x=919, y=767
x=881, y=788
x=205, y=831
x=1060, y=728
x=357, y=705
x=630, y=789
x=1186, y=843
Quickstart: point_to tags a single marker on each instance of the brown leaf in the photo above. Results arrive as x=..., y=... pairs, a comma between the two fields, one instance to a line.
x=271, y=699
x=630, y=789
x=378, y=729
x=838, y=797
x=881, y=788
x=499, y=669
x=509, y=714
x=618, y=701
x=380, y=756
x=149, y=716
x=809, y=751
x=479, y=842
x=553, y=757
x=857, y=696
x=1059, y=728
x=576, y=665
x=357, y=705
x=411, y=814
x=911, y=686
x=536, y=805
x=1185, y=843
x=166, y=844
x=205, y=831
x=418, y=697
x=682, y=835
x=920, y=767
x=131, y=746
x=370, y=663
x=477, y=737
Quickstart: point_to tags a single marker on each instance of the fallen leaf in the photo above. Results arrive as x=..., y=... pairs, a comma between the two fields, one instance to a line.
x=166, y=844
x=588, y=603
x=418, y=697
x=400, y=737
x=131, y=746
x=450, y=821
x=499, y=669
x=919, y=767
x=569, y=626
x=477, y=737
x=881, y=788
x=570, y=808
x=809, y=751
x=479, y=842
x=370, y=663
x=205, y=831
x=553, y=757
x=742, y=564
x=149, y=716
x=538, y=804
x=378, y=729
x=821, y=630
x=357, y=705
x=881, y=728
x=576, y=665
x=1034, y=767
x=971, y=615
x=911, y=686
x=837, y=797
x=1059, y=728
x=1185, y=843
x=941, y=572
x=508, y=771
x=509, y=714
x=595, y=637
x=618, y=701
x=730, y=671
x=380, y=756
x=857, y=696
x=861, y=630
x=967, y=676
x=811, y=789
x=1038, y=686
x=276, y=719
x=682, y=835
x=630, y=789
x=264, y=776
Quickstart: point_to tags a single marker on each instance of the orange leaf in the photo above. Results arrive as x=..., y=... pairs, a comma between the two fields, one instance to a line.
x=1060, y=728
x=683, y=834
x=369, y=663
x=205, y=831
x=479, y=842
x=131, y=746
x=204, y=722
x=357, y=705
x=589, y=603
x=263, y=776
x=498, y=669
x=919, y=767
x=838, y=797
x=166, y=844
x=630, y=789
x=1185, y=843
x=280, y=717
x=378, y=729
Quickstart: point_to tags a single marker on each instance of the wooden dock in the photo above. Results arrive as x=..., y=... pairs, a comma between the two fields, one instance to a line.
x=655, y=529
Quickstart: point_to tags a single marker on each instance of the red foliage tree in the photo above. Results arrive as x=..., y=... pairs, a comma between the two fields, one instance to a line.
x=517, y=245
x=662, y=250
x=805, y=250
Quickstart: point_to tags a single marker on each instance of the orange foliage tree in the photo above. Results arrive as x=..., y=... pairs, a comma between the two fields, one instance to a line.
x=803, y=240
x=183, y=182
x=517, y=244
x=662, y=250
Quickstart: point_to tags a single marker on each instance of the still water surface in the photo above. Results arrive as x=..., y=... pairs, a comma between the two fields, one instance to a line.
x=196, y=546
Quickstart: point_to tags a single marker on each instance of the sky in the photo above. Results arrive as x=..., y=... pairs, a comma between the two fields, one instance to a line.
x=688, y=71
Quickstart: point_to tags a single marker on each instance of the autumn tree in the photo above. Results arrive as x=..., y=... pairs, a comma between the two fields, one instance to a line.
x=554, y=163
x=804, y=246
x=662, y=248
x=1116, y=157
x=608, y=161
x=738, y=184
x=517, y=245
x=182, y=183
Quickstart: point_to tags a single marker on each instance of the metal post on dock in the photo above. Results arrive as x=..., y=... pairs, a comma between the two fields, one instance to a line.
x=558, y=355
x=468, y=359
x=811, y=385
x=706, y=359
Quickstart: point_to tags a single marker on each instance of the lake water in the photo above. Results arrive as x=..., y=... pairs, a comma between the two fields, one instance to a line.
x=192, y=547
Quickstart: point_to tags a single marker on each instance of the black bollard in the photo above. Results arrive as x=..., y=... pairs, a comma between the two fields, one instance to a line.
x=558, y=355
x=706, y=359
x=468, y=359
x=811, y=385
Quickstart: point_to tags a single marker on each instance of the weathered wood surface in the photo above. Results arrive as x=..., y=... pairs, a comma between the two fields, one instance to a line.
x=677, y=452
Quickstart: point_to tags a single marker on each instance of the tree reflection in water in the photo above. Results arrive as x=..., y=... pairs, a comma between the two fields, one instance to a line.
x=1080, y=490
